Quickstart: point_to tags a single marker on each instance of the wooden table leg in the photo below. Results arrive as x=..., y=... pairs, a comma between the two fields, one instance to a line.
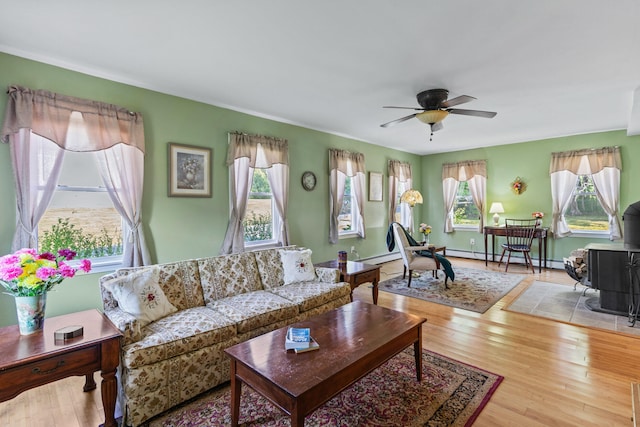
x=110, y=359
x=417, y=352
x=89, y=383
x=236, y=388
x=374, y=290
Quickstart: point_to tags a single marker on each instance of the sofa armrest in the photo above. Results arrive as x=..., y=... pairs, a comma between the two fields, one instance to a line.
x=328, y=275
x=126, y=323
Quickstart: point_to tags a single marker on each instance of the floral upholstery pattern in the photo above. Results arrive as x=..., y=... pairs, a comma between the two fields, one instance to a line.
x=310, y=295
x=185, y=331
x=235, y=274
x=221, y=301
x=255, y=309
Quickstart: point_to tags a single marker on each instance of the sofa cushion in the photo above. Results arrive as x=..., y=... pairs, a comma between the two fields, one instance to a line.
x=228, y=275
x=255, y=309
x=297, y=266
x=270, y=266
x=180, y=282
x=179, y=333
x=309, y=295
x=140, y=295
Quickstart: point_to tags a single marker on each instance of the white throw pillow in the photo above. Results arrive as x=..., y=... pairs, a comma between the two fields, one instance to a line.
x=140, y=295
x=297, y=266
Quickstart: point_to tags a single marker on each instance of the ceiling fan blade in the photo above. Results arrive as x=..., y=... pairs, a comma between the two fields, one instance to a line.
x=457, y=101
x=436, y=127
x=475, y=113
x=400, y=120
x=405, y=108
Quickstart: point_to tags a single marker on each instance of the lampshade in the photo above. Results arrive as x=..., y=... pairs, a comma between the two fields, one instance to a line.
x=411, y=197
x=432, y=116
x=496, y=207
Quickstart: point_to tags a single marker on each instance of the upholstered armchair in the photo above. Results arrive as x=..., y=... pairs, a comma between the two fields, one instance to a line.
x=411, y=255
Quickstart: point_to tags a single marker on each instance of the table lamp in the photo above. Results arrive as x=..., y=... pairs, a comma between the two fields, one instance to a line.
x=496, y=208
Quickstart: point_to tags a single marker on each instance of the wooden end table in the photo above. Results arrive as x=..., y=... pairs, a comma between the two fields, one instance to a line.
x=354, y=340
x=356, y=273
x=28, y=361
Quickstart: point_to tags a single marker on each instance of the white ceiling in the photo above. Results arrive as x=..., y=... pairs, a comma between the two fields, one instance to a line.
x=548, y=67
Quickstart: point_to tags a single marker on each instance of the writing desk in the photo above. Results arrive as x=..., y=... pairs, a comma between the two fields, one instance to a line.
x=493, y=231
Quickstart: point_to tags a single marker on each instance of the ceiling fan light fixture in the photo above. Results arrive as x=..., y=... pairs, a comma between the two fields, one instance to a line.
x=432, y=116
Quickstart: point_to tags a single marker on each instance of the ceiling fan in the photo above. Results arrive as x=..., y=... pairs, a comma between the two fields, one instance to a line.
x=435, y=107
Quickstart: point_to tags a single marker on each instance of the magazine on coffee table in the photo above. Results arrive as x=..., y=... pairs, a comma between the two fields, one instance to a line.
x=299, y=339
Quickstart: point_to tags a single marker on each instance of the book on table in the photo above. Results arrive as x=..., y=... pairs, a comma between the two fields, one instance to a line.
x=299, y=339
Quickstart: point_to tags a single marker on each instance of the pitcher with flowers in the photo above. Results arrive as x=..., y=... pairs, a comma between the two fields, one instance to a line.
x=28, y=276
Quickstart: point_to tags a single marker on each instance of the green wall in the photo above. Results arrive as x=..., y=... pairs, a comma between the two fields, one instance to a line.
x=530, y=161
x=181, y=228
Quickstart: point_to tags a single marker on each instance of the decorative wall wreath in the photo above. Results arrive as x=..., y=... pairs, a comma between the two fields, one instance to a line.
x=518, y=186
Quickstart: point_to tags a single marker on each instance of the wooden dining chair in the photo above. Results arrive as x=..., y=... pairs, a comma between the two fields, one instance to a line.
x=519, y=234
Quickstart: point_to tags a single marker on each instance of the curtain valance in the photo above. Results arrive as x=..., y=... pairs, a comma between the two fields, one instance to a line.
x=48, y=114
x=274, y=150
x=586, y=161
x=400, y=170
x=465, y=170
x=346, y=162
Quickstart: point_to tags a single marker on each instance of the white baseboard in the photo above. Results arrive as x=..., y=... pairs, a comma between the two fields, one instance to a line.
x=379, y=259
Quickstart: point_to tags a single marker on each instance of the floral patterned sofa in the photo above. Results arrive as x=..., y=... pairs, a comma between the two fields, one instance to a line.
x=213, y=303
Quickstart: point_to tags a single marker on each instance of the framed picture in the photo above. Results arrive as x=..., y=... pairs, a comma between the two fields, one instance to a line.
x=189, y=171
x=375, y=187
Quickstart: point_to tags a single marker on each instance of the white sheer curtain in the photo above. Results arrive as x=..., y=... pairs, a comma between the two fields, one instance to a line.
x=246, y=153
x=398, y=172
x=342, y=164
x=474, y=172
x=59, y=119
x=563, y=183
x=122, y=170
x=36, y=167
x=604, y=166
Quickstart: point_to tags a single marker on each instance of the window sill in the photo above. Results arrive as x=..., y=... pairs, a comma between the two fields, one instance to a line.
x=350, y=235
x=590, y=234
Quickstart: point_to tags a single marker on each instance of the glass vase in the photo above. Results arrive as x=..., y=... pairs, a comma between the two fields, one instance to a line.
x=30, y=311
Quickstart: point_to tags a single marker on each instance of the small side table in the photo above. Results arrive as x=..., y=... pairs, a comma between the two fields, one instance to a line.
x=435, y=248
x=28, y=361
x=356, y=273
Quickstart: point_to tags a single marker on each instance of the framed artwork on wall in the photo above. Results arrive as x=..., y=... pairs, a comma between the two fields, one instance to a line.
x=189, y=171
x=375, y=186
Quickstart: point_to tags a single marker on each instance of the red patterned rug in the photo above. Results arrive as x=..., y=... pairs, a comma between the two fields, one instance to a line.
x=451, y=394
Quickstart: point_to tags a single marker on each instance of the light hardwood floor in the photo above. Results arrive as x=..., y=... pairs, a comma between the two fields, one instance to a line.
x=555, y=374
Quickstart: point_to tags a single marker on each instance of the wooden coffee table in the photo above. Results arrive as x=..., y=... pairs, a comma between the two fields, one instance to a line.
x=27, y=361
x=356, y=273
x=354, y=340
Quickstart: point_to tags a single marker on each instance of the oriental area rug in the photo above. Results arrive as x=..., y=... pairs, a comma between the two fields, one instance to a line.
x=474, y=290
x=564, y=304
x=451, y=394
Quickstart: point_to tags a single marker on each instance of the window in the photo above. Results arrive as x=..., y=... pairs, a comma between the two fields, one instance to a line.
x=402, y=213
x=465, y=212
x=584, y=212
x=261, y=217
x=348, y=219
x=81, y=216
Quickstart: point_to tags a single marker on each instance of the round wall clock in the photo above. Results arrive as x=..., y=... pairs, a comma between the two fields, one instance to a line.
x=308, y=180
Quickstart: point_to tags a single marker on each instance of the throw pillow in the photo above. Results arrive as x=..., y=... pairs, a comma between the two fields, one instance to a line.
x=297, y=266
x=140, y=295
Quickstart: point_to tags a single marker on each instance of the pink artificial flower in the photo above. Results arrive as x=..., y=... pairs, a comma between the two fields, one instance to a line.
x=85, y=265
x=46, y=272
x=67, y=254
x=29, y=251
x=10, y=272
x=66, y=271
x=47, y=255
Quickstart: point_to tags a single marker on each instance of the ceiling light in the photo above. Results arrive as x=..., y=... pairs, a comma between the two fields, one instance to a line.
x=432, y=116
